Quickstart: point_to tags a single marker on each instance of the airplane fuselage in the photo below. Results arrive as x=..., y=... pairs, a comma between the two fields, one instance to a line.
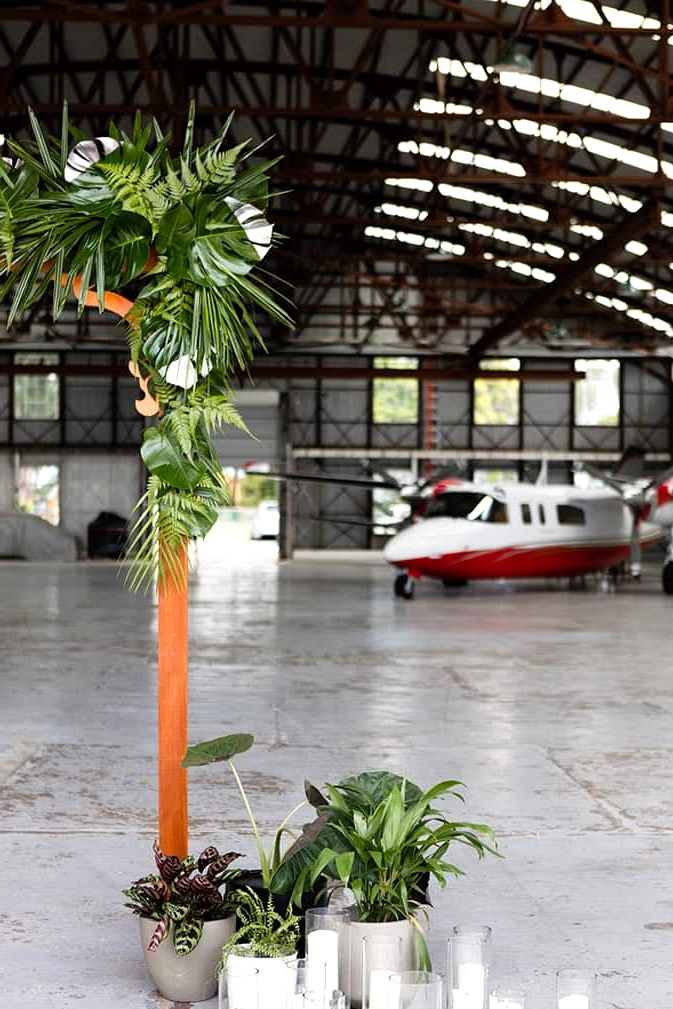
x=520, y=531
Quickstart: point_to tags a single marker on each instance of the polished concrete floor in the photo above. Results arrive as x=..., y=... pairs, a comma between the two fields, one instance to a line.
x=555, y=707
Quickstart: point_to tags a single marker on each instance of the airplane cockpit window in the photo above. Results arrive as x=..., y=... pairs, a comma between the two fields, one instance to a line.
x=570, y=515
x=467, y=505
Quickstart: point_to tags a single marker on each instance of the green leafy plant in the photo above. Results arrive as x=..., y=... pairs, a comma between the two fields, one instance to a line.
x=183, y=233
x=224, y=748
x=263, y=930
x=183, y=895
x=383, y=838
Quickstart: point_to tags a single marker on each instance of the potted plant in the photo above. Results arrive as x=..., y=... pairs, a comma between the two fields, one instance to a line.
x=185, y=917
x=265, y=939
x=225, y=748
x=381, y=837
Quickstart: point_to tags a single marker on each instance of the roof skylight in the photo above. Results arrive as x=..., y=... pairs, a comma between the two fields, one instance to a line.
x=462, y=157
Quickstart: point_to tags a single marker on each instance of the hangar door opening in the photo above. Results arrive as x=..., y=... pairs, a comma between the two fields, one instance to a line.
x=250, y=524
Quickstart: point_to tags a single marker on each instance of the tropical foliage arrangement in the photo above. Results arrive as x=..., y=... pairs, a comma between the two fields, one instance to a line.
x=183, y=895
x=182, y=234
x=263, y=931
x=383, y=838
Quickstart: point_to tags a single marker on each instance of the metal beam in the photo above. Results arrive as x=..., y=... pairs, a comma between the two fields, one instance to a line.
x=629, y=228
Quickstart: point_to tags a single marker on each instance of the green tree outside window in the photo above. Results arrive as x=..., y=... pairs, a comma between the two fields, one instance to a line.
x=395, y=400
x=496, y=401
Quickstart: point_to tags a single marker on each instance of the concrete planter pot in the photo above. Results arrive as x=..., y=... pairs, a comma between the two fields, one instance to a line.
x=359, y=929
x=189, y=978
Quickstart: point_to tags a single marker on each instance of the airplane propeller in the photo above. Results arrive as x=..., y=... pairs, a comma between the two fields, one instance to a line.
x=636, y=493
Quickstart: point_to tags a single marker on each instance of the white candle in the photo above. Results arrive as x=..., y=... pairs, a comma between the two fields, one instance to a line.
x=469, y=994
x=322, y=950
x=573, y=1002
x=378, y=989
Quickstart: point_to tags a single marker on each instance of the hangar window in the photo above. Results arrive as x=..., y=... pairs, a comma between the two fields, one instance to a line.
x=496, y=400
x=597, y=394
x=395, y=400
x=36, y=396
x=570, y=515
x=38, y=491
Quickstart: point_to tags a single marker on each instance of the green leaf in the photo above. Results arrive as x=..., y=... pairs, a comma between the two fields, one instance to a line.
x=162, y=455
x=221, y=748
x=176, y=231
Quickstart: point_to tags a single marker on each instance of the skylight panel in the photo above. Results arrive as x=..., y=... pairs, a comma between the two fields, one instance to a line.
x=442, y=108
x=397, y=210
x=601, y=195
x=409, y=238
x=462, y=157
x=581, y=10
x=575, y=95
x=636, y=248
x=421, y=185
x=587, y=231
x=639, y=314
x=469, y=195
x=524, y=270
x=549, y=249
x=500, y=234
x=459, y=68
x=663, y=295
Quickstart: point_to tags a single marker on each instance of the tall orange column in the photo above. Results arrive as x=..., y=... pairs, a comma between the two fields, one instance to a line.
x=172, y=657
x=172, y=711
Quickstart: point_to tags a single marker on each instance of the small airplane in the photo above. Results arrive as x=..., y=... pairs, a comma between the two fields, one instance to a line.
x=460, y=531
x=477, y=531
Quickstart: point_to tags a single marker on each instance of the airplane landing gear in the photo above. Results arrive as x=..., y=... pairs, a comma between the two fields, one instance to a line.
x=404, y=587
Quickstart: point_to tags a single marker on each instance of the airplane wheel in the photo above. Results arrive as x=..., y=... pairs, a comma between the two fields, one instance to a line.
x=667, y=578
x=404, y=587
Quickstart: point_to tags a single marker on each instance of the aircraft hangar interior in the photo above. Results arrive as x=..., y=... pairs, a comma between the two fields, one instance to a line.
x=443, y=401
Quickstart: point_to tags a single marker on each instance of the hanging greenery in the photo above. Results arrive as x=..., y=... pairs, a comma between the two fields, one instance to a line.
x=87, y=217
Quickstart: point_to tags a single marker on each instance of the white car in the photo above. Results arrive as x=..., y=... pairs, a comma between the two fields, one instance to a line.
x=265, y=521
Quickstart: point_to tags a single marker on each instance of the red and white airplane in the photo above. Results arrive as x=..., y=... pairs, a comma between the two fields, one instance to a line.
x=475, y=531
x=461, y=531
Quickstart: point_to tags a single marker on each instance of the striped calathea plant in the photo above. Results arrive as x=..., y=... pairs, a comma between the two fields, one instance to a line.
x=183, y=895
x=183, y=234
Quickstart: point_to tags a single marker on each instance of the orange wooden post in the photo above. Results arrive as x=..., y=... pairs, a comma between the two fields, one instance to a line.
x=172, y=658
x=172, y=704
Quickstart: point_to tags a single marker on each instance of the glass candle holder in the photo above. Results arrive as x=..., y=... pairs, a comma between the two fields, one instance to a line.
x=575, y=989
x=508, y=995
x=335, y=999
x=415, y=989
x=468, y=965
x=381, y=957
x=238, y=987
x=296, y=981
x=327, y=948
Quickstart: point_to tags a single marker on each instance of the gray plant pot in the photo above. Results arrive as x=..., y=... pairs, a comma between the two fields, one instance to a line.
x=189, y=978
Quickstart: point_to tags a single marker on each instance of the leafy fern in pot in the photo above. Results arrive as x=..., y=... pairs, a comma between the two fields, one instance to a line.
x=185, y=894
x=263, y=931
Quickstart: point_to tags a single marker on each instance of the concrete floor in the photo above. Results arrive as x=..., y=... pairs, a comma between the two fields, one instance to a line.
x=555, y=707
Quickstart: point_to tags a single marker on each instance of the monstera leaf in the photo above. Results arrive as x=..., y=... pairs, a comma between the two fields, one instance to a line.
x=162, y=455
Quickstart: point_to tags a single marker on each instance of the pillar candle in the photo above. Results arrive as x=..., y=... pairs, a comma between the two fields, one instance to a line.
x=322, y=950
